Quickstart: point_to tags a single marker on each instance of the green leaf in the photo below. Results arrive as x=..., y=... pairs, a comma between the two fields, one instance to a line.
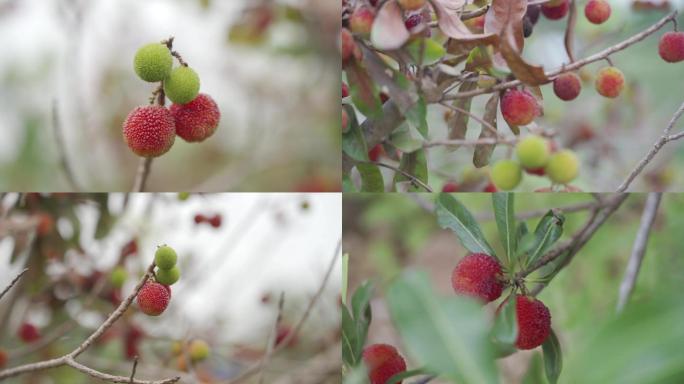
x=553, y=358
x=548, y=231
x=403, y=138
x=415, y=164
x=416, y=116
x=345, y=277
x=405, y=375
x=347, y=184
x=350, y=341
x=505, y=330
x=453, y=215
x=357, y=375
x=355, y=324
x=447, y=335
x=371, y=178
x=363, y=91
x=353, y=142
x=432, y=51
x=503, y=203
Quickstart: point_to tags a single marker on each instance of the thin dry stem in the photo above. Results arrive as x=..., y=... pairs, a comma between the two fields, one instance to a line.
x=13, y=282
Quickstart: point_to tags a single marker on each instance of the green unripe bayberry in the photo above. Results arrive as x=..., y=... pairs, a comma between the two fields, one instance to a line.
x=199, y=350
x=563, y=167
x=168, y=276
x=118, y=276
x=153, y=62
x=182, y=85
x=506, y=174
x=533, y=152
x=165, y=257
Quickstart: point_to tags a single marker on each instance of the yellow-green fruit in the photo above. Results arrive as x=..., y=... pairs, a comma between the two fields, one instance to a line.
x=182, y=85
x=199, y=350
x=177, y=348
x=153, y=62
x=118, y=276
x=165, y=257
x=506, y=174
x=563, y=167
x=533, y=152
x=168, y=276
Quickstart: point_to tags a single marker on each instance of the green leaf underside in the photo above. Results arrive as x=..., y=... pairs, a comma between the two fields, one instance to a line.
x=451, y=214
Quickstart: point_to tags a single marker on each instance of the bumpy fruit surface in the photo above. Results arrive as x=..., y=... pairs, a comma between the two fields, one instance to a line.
x=555, y=10
x=506, y=174
x=597, y=11
x=534, y=322
x=149, y=131
x=28, y=332
x=199, y=350
x=411, y=5
x=165, y=257
x=361, y=20
x=609, y=82
x=153, y=298
x=196, y=120
x=477, y=275
x=567, y=86
x=671, y=47
x=153, y=62
x=563, y=167
x=383, y=361
x=118, y=276
x=533, y=152
x=182, y=85
x=519, y=107
x=168, y=276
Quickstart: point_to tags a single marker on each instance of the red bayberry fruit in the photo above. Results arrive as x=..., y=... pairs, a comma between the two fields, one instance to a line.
x=200, y=218
x=536, y=171
x=349, y=48
x=567, y=86
x=196, y=120
x=478, y=275
x=411, y=5
x=597, y=11
x=149, y=131
x=28, y=333
x=345, y=90
x=153, y=298
x=3, y=358
x=215, y=221
x=490, y=188
x=671, y=47
x=361, y=20
x=534, y=322
x=413, y=21
x=375, y=153
x=450, y=187
x=383, y=361
x=554, y=11
x=609, y=82
x=519, y=107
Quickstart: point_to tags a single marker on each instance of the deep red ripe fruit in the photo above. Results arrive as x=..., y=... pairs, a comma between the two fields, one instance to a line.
x=383, y=361
x=450, y=187
x=413, y=21
x=153, y=298
x=3, y=358
x=215, y=221
x=200, y=218
x=149, y=131
x=536, y=171
x=519, y=107
x=567, y=86
x=196, y=120
x=383, y=97
x=671, y=47
x=345, y=90
x=555, y=12
x=28, y=333
x=168, y=289
x=375, y=153
x=478, y=275
x=45, y=224
x=490, y=188
x=597, y=11
x=534, y=322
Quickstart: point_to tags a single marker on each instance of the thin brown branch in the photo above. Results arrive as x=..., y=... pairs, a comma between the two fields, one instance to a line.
x=664, y=139
x=143, y=174
x=135, y=366
x=69, y=359
x=414, y=180
x=14, y=281
x=575, y=65
x=272, y=338
x=470, y=142
x=639, y=249
x=570, y=31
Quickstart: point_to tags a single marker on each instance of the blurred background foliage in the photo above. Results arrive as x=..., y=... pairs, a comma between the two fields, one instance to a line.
x=233, y=271
x=386, y=235
x=67, y=71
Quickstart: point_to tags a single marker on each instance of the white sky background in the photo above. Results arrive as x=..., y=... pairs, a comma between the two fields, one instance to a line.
x=285, y=249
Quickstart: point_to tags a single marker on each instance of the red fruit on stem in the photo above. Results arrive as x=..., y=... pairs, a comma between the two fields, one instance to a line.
x=536, y=171
x=490, y=188
x=478, y=275
x=3, y=358
x=149, y=131
x=597, y=11
x=196, y=120
x=555, y=12
x=567, y=86
x=534, y=322
x=383, y=361
x=450, y=187
x=200, y=218
x=345, y=90
x=153, y=298
x=519, y=107
x=215, y=221
x=609, y=82
x=375, y=153
x=671, y=47
x=28, y=333
x=361, y=20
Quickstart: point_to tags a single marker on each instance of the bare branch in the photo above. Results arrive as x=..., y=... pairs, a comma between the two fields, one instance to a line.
x=14, y=281
x=470, y=143
x=639, y=249
x=142, y=175
x=664, y=139
x=272, y=338
x=412, y=179
x=135, y=366
x=570, y=31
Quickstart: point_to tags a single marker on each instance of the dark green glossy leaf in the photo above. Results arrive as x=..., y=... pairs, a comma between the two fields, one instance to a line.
x=453, y=215
x=548, y=231
x=553, y=358
x=503, y=203
x=371, y=178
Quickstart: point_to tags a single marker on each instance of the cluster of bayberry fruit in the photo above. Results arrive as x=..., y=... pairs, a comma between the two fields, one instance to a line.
x=155, y=295
x=150, y=130
x=213, y=220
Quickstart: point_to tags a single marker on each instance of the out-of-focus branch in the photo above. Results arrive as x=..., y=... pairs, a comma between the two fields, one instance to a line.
x=14, y=281
x=639, y=249
x=570, y=31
